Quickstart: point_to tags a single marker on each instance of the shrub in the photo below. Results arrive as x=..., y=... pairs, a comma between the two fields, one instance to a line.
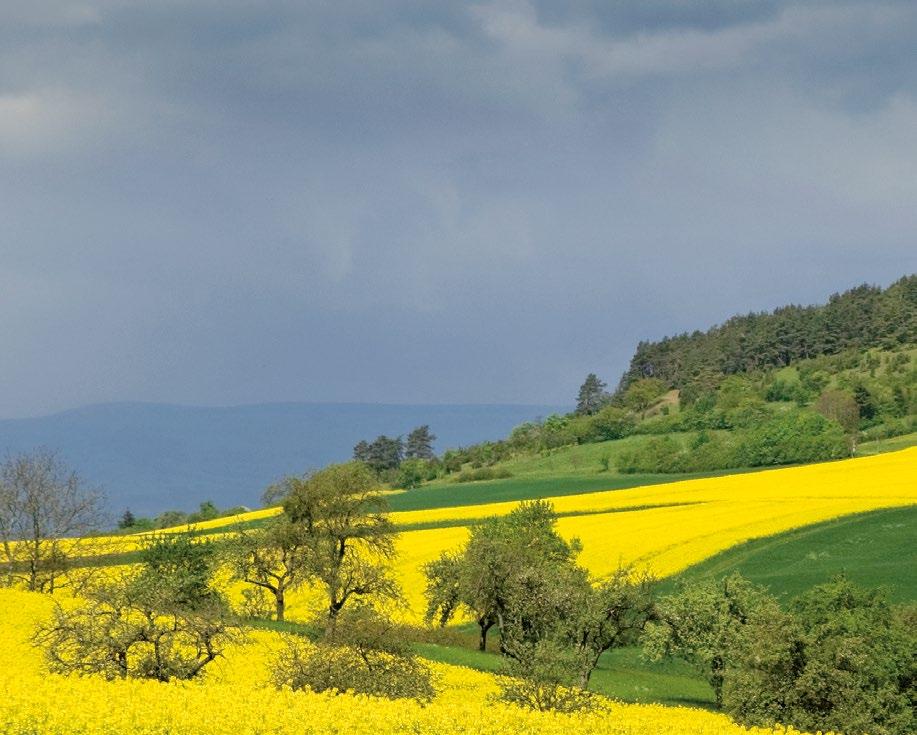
x=610, y=423
x=163, y=622
x=796, y=436
x=324, y=667
x=657, y=454
x=483, y=473
x=411, y=473
x=841, y=659
x=363, y=653
x=542, y=676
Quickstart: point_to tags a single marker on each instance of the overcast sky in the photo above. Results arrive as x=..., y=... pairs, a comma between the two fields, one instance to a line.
x=229, y=202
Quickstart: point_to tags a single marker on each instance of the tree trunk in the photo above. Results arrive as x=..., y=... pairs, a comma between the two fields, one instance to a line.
x=716, y=680
x=482, y=641
x=280, y=605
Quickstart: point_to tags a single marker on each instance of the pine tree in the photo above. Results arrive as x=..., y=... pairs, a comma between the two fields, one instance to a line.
x=419, y=444
x=592, y=396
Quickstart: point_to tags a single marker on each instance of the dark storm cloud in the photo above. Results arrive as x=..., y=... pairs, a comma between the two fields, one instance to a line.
x=237, y=201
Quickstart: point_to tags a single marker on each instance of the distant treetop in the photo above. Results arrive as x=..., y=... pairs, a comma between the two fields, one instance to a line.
x=861, y=318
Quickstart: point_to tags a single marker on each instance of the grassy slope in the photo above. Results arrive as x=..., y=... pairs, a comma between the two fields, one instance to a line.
x=622, y=674
x=877, y=549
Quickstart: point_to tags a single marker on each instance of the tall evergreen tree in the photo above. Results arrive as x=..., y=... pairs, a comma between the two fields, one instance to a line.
x=591, y=396
x=419, y=444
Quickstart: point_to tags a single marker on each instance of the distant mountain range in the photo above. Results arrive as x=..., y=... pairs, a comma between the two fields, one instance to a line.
x=150, y=457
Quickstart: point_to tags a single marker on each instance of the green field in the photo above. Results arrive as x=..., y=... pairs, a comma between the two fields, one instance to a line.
x=622, y=674
x=876, y=549
x=450, y=495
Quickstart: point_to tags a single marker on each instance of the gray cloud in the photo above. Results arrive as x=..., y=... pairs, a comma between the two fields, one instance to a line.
x=232, y=202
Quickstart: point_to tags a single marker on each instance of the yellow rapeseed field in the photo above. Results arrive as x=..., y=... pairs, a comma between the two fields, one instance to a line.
x=664, y=528
x=234, y=698
x=695, y=518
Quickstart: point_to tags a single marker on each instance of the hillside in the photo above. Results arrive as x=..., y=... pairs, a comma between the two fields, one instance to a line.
x=150, y=457
x=862, y=318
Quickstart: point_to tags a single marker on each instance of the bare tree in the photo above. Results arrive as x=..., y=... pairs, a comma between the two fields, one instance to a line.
x=45, y=509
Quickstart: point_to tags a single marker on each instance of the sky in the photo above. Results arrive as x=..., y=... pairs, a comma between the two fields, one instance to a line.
x=225, y=202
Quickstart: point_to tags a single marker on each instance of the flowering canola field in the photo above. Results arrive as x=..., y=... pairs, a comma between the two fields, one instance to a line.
x=663, y=528
x=234, y=699
x=692, y=519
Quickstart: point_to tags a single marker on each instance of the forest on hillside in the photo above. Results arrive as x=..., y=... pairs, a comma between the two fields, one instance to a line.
x=862, y=318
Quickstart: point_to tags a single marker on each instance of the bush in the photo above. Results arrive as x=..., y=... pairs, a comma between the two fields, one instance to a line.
x=411, y=473
x=891, y=428
x=363, y=653
x=657, y=454
x=610, y=423
x=483, y=473
x=542, y=676
x=664, y=454
x=842, y=659
x=164, y=621
x=796, y=436
x=323, y=667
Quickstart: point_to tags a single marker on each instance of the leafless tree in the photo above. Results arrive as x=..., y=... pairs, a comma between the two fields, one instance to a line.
x=45, y=510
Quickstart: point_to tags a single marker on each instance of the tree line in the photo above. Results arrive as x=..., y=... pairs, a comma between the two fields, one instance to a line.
x=859, y=319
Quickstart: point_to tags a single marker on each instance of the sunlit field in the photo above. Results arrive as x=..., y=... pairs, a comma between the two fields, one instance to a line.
x=692, y=520
x=235, y=698
x=664, y=528
x=661, y=528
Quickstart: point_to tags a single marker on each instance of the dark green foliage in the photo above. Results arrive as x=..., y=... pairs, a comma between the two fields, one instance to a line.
x=419, y=444
x=865, y=402
x=793, y=437
x=840, y=659
x=501, y=557
x=861, y=318
x=411, y=473
x=591, y=396
x=127, y=519
x=206, y=511
x=611, y=422
x=518, y=574
x=179, y=570
x=790, y=437
x=381, y=454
